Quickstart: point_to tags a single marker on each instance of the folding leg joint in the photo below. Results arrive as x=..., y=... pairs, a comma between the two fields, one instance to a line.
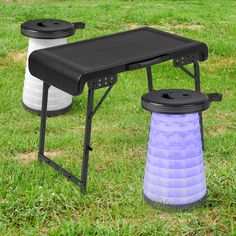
x=185, y=60
x=98, y=83
x=89, y=148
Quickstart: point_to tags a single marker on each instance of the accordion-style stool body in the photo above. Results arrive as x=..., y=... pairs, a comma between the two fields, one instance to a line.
x=174, y=173
x=44, y=34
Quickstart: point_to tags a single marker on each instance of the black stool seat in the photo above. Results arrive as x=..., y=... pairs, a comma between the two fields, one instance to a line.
x=49, y=28
x=178, y=101
x=68, y=67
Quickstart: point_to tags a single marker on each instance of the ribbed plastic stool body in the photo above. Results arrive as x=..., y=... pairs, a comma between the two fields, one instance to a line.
x=174, y=172
x=32, y=93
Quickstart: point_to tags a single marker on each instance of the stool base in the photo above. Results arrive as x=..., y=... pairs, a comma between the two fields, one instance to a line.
x=175, y=207
x=49, y=113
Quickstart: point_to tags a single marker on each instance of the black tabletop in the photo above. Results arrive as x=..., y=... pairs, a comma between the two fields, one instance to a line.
x=70, y=66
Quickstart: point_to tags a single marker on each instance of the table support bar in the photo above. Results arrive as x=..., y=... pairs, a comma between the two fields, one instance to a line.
x=60, y=169
x=187, y=72
x=101, y=101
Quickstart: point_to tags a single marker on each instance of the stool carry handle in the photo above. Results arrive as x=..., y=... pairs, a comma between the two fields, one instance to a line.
x=215, y=97
x=79, y=25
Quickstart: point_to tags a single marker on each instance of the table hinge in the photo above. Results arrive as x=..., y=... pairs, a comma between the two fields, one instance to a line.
x=185, y=60
x=102, y=82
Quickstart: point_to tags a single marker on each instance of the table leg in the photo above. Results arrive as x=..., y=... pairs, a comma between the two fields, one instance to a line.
x=87, y=136
x=198, y=88
x=41, y=156
x=149, y=77
x=43, y=120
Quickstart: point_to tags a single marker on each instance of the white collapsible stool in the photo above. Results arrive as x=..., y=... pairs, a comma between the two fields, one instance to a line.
x=46, y=33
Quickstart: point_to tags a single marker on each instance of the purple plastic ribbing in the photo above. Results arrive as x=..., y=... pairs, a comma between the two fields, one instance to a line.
x=174, y=172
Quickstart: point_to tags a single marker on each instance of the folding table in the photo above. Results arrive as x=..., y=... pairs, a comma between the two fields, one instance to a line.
x=96, y=62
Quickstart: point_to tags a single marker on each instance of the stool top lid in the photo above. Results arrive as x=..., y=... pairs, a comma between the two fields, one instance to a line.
x=49, y=28
x=177, y=101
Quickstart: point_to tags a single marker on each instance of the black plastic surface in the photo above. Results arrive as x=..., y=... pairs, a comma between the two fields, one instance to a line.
x=70, y=66
x=50, y=28
x=175, y=101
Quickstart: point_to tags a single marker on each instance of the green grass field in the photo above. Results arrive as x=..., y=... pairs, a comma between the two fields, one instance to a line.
x=35, y=200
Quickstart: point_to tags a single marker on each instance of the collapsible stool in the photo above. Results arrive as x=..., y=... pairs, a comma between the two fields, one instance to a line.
x=174, y=174
x=45, y=33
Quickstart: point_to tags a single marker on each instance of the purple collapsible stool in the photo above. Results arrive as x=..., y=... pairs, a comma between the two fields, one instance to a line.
x=174, y=174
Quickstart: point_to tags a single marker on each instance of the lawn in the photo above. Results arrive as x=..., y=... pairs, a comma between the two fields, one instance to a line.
x=35, y=200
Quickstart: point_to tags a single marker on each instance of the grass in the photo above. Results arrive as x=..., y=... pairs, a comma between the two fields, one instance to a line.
x=34, y=200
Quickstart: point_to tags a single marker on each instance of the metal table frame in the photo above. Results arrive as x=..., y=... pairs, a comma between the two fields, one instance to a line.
x=92, y=86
